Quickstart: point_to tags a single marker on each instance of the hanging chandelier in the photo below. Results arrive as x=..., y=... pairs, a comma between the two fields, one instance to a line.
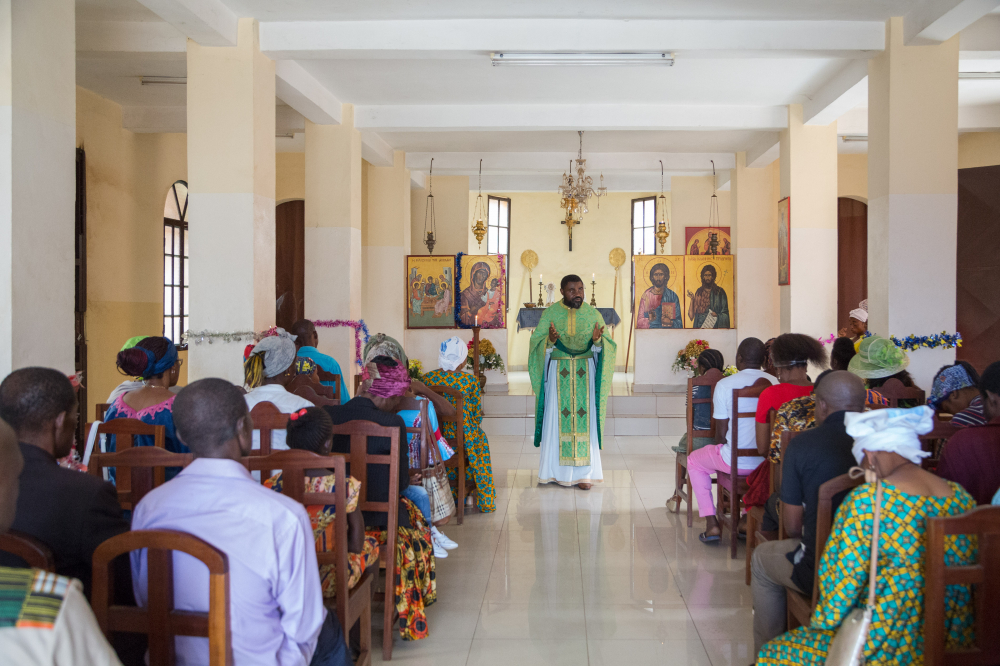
x=575, y=192
x=662, y=229
x=479, y=213
x=713, y=218
x=429, y=240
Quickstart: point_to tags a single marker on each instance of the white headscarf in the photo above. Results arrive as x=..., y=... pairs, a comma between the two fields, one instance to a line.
x=860, y=313
x=895, y=430
x=453, y=353
x=279, y=352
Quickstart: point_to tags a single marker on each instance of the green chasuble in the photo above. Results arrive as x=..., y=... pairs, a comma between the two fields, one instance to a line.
x=571, y=354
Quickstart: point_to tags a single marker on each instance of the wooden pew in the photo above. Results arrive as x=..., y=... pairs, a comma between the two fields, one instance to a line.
x=734, y=484
x=894, y=391
x=353, y=604
x=266, y=417
x=139, y=469
x=160, y=620
x=34, y=553
x=705, y=384
x=144, y=479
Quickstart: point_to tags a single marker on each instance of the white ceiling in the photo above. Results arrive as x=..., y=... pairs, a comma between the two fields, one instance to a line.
x=420, y=77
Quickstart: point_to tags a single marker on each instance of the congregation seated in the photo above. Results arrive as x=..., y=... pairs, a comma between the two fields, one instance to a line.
x=452, y=360
x=385, y=379
x=971, y=457
x=306, y=341
x=70, y=512
x=129, y=384
x=707, y=460
x=310, y=429
x=268, y=369
x=276, y=600
x=154, y=360
x=44, y=617
x=886, y=444
x=812, y=459
x=707, y=360
x=840, y=359
x=878, y=360
x=955, y=391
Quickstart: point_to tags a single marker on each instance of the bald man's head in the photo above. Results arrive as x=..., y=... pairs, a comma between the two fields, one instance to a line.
x=305, y=333
x=11, y=463
x=839, y=391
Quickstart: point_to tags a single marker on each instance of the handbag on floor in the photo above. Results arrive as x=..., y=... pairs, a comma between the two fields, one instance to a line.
x=848, y=645
x=435, y=477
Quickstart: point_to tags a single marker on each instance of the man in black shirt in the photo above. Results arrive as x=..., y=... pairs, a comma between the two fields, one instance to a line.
x=812, y=459
x=70, y=512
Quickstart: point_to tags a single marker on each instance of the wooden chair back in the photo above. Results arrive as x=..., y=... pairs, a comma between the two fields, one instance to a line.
x=266, y=418
x=753, y=391
x=420, y=406
x=894, y=391
x=984, y=523
x=124, y=430
x=317, y=394
x=34, y=553
x=776, y=469
x=824, y=516
x=337, y=380
x=709, y=380
x=934, y=441
x=138, y=470
x=360, y=459
x=100, y=410
x=459, y=461
x=357, y=383
x=160, y=620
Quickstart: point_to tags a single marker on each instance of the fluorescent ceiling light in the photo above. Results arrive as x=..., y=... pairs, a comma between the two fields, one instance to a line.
x=854, y=137
x=979, y=75
x=163, y=80
x=596, y=59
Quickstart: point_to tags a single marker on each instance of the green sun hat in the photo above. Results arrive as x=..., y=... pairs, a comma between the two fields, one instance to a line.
x=133, y=341
x=878, y=357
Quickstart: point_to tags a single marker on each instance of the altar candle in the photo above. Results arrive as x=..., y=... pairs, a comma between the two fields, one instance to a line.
x=477, y=320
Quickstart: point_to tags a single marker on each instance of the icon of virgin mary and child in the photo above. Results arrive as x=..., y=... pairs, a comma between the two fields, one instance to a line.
x=659, y=306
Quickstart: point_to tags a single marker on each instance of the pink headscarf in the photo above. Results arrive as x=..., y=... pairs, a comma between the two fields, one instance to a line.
x=385, y=381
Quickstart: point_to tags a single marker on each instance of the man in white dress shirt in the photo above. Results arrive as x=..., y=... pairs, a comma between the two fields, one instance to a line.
x=276, y=603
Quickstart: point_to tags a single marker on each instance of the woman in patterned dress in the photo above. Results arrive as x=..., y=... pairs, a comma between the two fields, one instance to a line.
x=885, y=441
x=452, y=359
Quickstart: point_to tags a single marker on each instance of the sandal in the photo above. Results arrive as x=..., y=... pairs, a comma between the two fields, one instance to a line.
x=711, y=538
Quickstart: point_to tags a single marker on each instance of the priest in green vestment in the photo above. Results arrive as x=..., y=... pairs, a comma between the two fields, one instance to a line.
x=572, y=363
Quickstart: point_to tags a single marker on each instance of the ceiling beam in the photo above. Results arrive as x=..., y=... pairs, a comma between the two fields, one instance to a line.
x=928, y=24
x=208, y=22
x=646, y=182
x=326, y=39
x=847, y=89
x=557, y=162
x=105, y=37
x=300, y=90
x=468, y=117
x=979, y=118
x=764, y=151
x=374, y=149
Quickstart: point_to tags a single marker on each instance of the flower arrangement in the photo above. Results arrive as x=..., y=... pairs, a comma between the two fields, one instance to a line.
x=729, y=371
x=415, y=368
x=687, y=358
x=489, y=359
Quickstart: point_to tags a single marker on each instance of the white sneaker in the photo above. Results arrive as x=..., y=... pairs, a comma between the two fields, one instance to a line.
x=439, y=552
x=439, y=537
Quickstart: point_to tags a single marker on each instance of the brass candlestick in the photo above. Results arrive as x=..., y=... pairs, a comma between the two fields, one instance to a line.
x=593, y=295
x=541, y=303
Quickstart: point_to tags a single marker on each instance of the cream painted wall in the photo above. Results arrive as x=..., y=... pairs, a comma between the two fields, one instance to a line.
x=451, y=214
x=535, y=225
x=690, y=199
x=977, y=149
x=290, y=177
x=128, y=176
x=385, y=241
x=852, y=176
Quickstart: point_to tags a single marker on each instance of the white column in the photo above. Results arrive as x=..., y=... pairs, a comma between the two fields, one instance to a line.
x=333, y=234
x=386, y=242
x=913, y=193
x=231, y=166
x=37, y=183
x=809, y=176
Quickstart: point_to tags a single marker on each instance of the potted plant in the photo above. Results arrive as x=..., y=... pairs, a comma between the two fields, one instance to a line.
x=489, y=359
x=687, y=358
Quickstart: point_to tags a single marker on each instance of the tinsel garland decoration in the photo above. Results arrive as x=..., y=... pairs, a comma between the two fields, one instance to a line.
x=911, y=342
x=458, y=281
x=359, y=326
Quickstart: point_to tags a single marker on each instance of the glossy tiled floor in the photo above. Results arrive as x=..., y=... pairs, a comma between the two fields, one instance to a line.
x=565, y=576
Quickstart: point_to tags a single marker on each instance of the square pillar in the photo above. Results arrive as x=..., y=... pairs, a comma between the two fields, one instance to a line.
x=231, y=170
x=913, y=193
x=37, y=184
x=333, y=234
x=809, y=176
x=385, y=240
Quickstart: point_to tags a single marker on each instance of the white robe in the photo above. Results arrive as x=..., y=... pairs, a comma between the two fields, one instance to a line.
x=549, y=469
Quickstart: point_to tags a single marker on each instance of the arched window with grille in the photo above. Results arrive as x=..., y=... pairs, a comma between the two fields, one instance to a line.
x=175, y=262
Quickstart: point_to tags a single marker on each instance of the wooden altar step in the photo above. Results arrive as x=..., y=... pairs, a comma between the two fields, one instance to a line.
x=650, y=414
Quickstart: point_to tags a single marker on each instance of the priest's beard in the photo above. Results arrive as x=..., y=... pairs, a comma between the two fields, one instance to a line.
x=574, y=303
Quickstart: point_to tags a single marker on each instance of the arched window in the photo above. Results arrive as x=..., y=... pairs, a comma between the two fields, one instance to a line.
x=175, y=262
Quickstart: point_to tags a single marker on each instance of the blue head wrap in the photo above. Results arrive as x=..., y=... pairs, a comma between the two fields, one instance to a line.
x=950, y=380
x=154, y=367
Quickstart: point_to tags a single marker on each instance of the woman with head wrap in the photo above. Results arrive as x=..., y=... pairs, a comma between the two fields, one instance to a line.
x=130, y=384
x=878, y=360
x=955, y=391
x=886, y=444
x=451, y=360
x=972, y=455
x=268, y=369
x=857, y=326
x=154, y=361
x=384, y=381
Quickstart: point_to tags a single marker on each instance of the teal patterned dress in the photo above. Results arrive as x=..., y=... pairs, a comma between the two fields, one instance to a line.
x=477, y=446
x=897, y=630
